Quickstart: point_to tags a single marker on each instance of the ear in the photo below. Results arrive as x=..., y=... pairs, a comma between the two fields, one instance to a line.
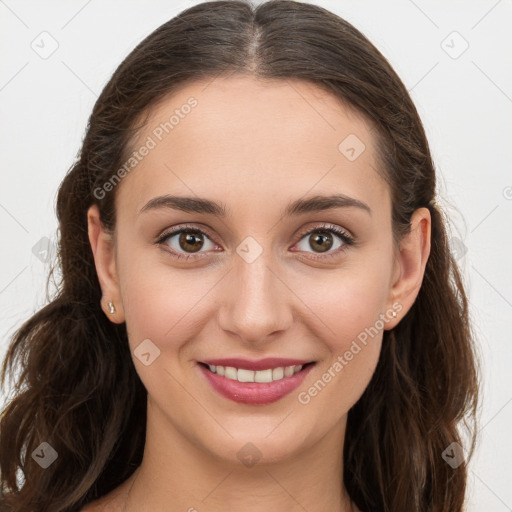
x=410, y=264
x=103, y=250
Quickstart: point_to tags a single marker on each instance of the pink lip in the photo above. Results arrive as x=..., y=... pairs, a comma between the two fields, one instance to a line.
x=261, y=364
x=254, y=392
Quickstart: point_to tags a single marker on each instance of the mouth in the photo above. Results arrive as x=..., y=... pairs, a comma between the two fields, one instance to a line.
x=255, y=386
x=267, y=375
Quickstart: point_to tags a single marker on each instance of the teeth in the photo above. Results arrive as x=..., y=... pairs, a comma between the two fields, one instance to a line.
x=263, y=376
x=230, y=373
x=243, y=375
x=288, y=371
x=277, y=373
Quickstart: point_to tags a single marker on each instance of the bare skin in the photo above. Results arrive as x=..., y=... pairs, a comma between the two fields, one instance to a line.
x=254, y=147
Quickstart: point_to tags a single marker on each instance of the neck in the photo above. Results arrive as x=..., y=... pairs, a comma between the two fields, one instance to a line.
x=177, y=475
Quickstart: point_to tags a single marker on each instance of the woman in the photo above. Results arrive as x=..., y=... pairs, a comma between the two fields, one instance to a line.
x=258, y=309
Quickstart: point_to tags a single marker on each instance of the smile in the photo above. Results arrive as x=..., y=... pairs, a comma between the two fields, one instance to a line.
x=243, y=375
x=256, y=387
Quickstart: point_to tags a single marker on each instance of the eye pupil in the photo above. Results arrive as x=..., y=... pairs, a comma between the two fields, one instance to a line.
x=321, y=241
x=192, y=239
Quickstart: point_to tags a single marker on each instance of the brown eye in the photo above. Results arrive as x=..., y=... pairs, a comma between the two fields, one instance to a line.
x=190, y=241
x=186, y=242
x=325, y=241
x=321, y=241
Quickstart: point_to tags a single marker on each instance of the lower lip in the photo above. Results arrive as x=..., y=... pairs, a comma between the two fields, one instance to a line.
x=255, y=392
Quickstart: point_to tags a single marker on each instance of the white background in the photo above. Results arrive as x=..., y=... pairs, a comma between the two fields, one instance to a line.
x=465, y=104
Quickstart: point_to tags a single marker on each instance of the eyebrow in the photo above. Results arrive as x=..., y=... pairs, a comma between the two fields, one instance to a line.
x=300, y=206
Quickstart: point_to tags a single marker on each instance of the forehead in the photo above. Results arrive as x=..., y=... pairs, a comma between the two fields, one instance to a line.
x=251, y=141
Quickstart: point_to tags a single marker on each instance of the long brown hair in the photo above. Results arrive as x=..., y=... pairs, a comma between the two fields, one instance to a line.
x=78, y=389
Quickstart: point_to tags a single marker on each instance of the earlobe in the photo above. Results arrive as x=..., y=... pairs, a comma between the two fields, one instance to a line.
x=411, y=261
x=103, y=249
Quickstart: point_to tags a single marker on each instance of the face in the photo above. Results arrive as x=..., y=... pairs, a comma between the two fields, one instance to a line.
x=253, y=278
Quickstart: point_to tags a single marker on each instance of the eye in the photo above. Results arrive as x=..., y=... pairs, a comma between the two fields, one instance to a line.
x=186, y=242
x=188, y=239
x=321, y=240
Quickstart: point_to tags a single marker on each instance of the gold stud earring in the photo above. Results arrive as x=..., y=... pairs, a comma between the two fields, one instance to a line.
x=111, y=308
x=393, y=314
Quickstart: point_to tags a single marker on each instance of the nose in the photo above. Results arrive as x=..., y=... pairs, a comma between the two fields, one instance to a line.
x=256, y=303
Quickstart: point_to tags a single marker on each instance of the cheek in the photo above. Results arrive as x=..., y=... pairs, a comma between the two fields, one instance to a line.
x=349, y=302
x=352, y=309
x=163, y=305
x=353, y=341
x=161, y=302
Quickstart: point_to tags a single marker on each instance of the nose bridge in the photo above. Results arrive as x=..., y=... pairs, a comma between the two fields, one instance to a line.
x=257, y=304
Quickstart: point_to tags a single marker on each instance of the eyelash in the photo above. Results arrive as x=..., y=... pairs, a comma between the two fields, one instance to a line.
x=347, y=240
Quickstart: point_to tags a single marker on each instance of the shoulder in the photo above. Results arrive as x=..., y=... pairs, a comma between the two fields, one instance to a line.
x=95, y=506
x=109, y=503
x=113, y=501
x=90, y=508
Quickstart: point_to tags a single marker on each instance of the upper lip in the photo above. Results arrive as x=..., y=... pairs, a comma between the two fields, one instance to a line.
x=260, y=364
